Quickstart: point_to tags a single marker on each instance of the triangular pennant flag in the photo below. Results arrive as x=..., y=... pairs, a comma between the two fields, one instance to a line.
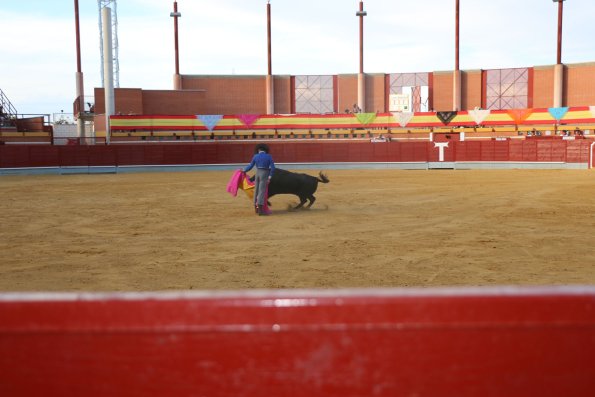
x=403, y=117
x=248, y=119
x=519, y=115
x=365, y=118
x=209, y=120
x=479, y=115
x=446, y=117
x=557, y=113
x=592, y=109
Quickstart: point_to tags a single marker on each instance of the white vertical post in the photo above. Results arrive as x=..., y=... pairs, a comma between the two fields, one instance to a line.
x=80, y=95
x=108, y=69
x=361, y=91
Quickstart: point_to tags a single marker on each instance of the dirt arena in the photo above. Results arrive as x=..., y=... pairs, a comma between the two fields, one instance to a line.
x=369, y=228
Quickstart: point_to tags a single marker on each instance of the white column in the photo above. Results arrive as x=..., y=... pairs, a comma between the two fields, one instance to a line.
x=270, y=96
x=177, y=82
x=361, y=91
x=80, y=123
x=108, y=69
x=558, y=85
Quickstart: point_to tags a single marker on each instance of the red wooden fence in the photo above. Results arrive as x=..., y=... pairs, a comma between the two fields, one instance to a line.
x=433, y=342
x=530, y=150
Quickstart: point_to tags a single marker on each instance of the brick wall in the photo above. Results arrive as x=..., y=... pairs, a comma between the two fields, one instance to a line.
x=247, y=94
x=282, y=94
x=375, y=92
x=229, y=94
x=579, y=80
x=471, y=89
x=543, y=86
x=347, y=91
x=443, y=91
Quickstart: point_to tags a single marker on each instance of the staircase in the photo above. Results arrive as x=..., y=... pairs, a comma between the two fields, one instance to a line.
x=8, y=113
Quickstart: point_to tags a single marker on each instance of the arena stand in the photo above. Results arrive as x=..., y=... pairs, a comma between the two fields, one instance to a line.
x=531, y=138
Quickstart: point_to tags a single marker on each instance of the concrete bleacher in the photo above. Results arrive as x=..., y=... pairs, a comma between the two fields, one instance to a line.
x=393, y=133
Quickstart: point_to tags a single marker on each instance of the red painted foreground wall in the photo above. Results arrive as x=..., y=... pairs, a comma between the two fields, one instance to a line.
x=543, y=150
x=445, y=342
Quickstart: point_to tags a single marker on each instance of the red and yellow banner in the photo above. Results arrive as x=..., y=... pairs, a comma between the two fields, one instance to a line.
x=573, y=115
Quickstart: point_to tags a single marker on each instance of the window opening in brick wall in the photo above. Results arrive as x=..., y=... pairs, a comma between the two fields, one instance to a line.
x=414, y=86
x=314, y=94
x=507, y=88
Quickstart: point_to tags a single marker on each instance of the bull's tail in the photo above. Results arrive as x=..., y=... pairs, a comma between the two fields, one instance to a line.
x=322, y=178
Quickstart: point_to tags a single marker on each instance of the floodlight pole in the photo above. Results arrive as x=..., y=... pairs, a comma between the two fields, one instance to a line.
x=80, y=90
x=456, y=78
x=361, y=88
x=108, y=70
x=177, y=77
x=559, y=67
x=559, y=52
x=269, y=77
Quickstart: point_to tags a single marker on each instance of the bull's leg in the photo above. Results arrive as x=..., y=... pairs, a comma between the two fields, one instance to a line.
x=301, y=204
x=312, y=200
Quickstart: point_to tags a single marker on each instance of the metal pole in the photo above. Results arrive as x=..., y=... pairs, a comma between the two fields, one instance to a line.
x=80, y=90
x=270, y=101
x=559, y=54
x=558, y=67
x=269, y=52
x=361, y=36
x=456, y=78
x=361, y=88
x=457, y=36
x=176, y=37
x=177, y=79
x=78, y=36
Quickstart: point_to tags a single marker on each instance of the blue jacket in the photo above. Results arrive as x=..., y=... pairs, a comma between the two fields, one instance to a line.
x=262, y=160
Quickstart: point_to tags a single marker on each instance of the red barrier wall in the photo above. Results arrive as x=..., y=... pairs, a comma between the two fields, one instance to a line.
x=533, y=150
x=445, y=342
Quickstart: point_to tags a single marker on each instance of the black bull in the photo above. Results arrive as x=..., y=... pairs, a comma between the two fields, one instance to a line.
x=302, y=185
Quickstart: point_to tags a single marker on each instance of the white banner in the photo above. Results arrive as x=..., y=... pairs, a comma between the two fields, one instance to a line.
x=399, y=103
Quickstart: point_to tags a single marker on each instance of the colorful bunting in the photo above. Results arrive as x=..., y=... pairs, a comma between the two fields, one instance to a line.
x=583, y=114
x=519, y=115
x=403, y=117
x=365, y=118
x=446, y=117
x=557, y=113
x=209, y=120
x=479, y=115
x=248, y=119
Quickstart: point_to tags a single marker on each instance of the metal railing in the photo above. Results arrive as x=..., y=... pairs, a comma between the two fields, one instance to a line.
x=6, y=108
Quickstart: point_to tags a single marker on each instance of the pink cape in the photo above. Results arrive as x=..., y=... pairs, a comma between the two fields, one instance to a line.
x=240, y=181
x=234, y=182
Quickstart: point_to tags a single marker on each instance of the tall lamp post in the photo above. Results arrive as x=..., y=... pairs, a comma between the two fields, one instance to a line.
x=80, y=90
x=269, y=78
x=361, y=88
x=177, y=78
x=559, y=67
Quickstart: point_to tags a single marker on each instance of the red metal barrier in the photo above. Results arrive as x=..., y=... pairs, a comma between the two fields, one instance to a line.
x=442, y=342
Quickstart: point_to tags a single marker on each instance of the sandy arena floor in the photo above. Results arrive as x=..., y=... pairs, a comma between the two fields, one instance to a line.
x=372, y=228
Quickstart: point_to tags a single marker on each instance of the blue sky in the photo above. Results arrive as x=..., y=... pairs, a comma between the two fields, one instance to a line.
x=38, y=57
